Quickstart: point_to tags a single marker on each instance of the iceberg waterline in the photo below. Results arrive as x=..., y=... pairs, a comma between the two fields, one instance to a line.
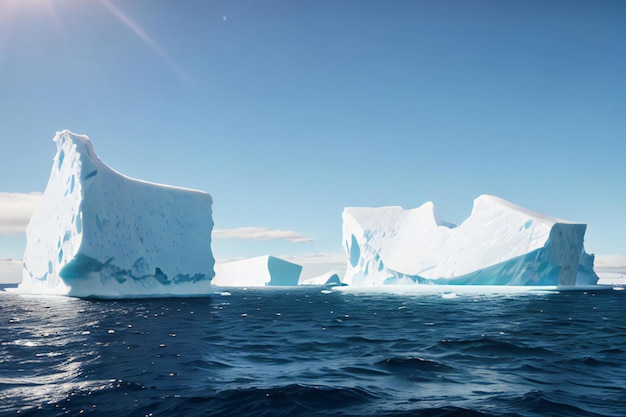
x=98, y=233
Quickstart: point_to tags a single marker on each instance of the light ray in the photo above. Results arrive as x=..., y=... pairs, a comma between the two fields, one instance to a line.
x=137, y=30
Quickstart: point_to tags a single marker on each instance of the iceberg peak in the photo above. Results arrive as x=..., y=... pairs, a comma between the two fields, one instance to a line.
x=484, y=201
x=98, y=233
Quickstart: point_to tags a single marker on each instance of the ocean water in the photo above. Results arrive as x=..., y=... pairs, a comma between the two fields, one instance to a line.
x=313, y=352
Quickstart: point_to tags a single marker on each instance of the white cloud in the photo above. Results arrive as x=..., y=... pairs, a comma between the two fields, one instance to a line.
x=316, y=258
x=10, y=271
x=610, y=261
x=259, y=233
x=611, y=269
x=16, y=210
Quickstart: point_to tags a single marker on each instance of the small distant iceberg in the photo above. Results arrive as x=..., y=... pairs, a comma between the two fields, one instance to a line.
x=98, y=233
x=500, y=243
x=260, y=271
x=328, y=279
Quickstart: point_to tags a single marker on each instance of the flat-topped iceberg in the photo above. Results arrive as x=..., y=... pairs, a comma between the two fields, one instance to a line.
x=330, y=278
x=260, y=271
x=500, y=243
x=98, y=233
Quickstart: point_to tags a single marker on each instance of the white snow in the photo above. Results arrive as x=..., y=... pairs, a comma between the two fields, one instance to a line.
x=499, y=243
x=99, y=233
x=257, y=272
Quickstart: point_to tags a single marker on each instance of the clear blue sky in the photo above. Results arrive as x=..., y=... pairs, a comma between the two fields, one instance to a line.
x=288, y=111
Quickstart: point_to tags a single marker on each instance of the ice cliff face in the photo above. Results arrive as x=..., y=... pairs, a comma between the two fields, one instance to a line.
x=499, y=244
x=98, y=233
x=257, y=272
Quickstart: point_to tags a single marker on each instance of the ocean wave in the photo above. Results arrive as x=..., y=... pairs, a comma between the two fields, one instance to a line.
x=486, y=346
x=544, y=404
x=521, y=356
x=412, y=364
x=288, y=400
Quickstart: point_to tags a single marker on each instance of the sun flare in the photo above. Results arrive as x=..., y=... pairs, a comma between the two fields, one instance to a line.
x=11, y=9
x=25, y=5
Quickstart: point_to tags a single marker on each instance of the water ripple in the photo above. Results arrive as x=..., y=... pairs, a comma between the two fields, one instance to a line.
x=306, y=353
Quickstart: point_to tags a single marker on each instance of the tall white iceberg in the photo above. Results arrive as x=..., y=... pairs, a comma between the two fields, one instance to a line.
x=500, y=243
x=259, y=271
x=98, y=233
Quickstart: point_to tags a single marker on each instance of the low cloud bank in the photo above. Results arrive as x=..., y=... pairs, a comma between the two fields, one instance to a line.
x=16, y=209
x=259, y=233
x=611, y=269
x=10, y=271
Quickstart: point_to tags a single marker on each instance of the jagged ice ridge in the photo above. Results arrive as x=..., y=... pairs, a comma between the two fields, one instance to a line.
x=500, y=243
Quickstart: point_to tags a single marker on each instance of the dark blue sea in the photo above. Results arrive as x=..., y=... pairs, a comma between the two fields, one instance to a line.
x=312, y=352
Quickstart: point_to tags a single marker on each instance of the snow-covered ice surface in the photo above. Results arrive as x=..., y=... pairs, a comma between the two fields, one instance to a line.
x=500, y=243
x=98, y=233
x=257, y=272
